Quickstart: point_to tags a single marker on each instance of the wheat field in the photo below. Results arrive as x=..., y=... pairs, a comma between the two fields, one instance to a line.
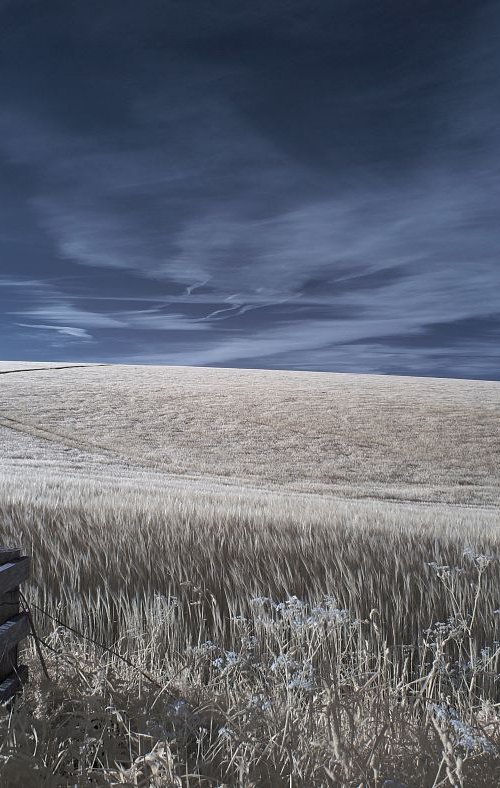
x=357, y=435
x=301, y=570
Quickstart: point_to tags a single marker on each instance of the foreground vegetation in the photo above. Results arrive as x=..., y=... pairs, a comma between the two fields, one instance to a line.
x=284, y=643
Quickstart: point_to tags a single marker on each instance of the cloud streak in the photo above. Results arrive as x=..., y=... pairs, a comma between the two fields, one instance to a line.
x=66, y=331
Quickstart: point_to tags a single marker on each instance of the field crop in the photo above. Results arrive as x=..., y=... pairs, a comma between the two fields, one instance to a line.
x=354, y=435
x=278, y=630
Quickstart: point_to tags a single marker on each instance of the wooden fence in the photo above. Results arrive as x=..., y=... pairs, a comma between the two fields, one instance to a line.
x=14, y=626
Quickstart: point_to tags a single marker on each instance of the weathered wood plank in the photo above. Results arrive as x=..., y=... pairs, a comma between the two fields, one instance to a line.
x=14, y=630
x=9, y=553
x=13, y=625
x=13, y=573
x=13, y=682
x=9, y=607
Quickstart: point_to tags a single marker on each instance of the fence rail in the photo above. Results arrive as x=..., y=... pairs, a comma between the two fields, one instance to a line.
x=14, y=625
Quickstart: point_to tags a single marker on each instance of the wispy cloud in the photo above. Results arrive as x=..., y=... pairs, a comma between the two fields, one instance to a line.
x=66, y=313
x=35, y=287
x=67, y=331
x=147, y=319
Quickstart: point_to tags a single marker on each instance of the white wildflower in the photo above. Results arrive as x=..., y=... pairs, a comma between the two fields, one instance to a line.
x=467, y=736
x=226, y=733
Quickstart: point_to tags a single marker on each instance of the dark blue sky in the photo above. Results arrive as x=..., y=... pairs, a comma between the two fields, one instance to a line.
x=303, y=185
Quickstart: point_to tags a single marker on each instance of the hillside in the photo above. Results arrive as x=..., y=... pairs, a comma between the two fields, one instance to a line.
x=360, y=436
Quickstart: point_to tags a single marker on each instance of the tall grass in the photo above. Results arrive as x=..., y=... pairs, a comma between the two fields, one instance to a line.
x=289, y=643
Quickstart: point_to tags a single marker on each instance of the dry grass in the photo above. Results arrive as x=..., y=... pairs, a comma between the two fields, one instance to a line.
x=303, y=694
x=357, y=435
x=293, y=639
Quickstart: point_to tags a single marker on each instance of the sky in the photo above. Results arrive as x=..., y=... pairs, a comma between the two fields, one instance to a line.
x=286, y=184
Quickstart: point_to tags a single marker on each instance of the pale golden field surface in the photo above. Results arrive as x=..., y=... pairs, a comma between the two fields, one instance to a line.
x=302, y=570
x=355, y=435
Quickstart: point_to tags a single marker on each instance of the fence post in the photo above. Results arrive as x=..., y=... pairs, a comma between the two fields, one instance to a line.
x=14, y=626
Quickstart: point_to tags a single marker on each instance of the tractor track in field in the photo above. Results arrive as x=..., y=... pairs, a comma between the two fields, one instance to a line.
x=47, y=369
x=36, y=431
x=205, y=483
